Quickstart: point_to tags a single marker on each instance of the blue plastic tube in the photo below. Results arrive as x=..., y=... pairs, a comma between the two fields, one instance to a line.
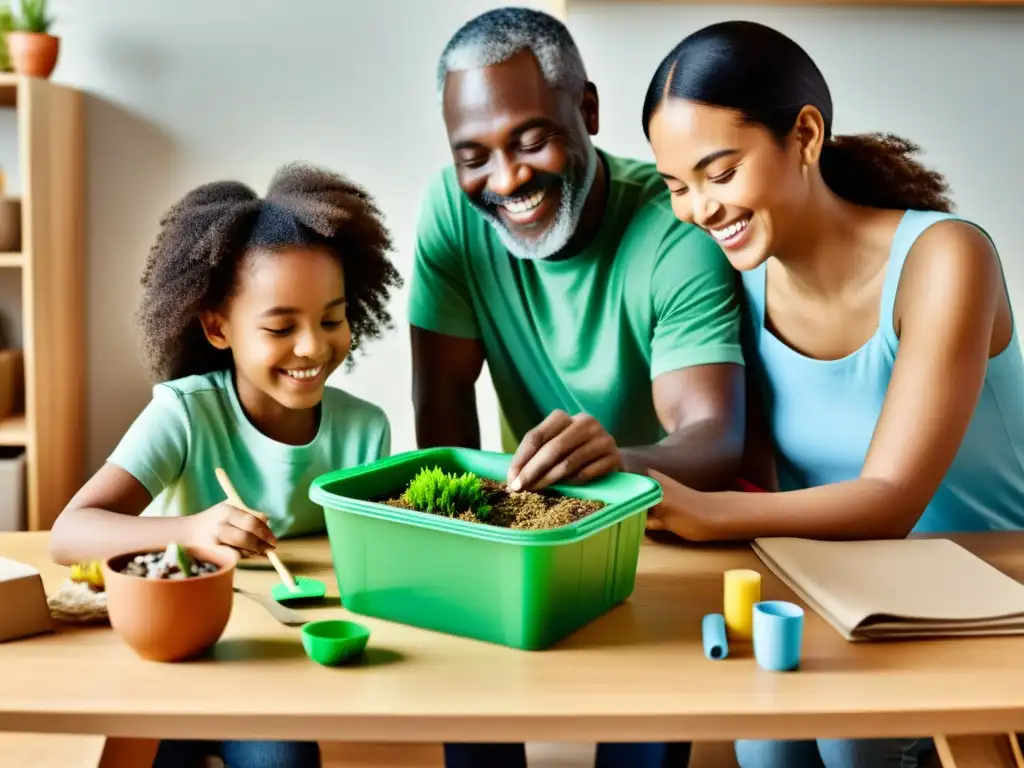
x=716, y=646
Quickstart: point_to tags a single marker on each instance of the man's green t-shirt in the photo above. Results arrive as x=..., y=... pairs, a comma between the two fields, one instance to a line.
x=587, y=334
x=195, y=424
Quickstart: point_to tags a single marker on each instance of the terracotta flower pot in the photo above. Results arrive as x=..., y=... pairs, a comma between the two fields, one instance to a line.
x=170, y=620
x=33, y=53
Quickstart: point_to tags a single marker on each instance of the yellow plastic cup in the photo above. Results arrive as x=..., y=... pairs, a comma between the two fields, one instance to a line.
x=742, y=591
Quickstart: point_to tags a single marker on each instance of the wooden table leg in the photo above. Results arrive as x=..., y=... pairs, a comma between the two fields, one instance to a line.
x=49, y=750
x=369, y=755
x=128, y=753
x=996, y=751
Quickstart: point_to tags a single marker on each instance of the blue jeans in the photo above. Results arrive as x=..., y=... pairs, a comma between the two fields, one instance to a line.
x=611, y=755
x=239, y=754
x=833, y=753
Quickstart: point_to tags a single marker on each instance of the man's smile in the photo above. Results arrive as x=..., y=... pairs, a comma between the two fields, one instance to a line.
x=530, y=210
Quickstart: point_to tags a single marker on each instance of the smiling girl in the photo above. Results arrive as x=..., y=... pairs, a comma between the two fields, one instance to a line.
x=249, y=305
x=879, y=329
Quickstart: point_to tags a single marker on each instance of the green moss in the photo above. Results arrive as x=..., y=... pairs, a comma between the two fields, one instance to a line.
x=448, y=494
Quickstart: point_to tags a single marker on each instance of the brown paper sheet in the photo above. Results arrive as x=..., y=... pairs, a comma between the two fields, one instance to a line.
x=897, y=589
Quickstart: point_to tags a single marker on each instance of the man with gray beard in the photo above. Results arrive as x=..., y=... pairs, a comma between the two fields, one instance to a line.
x=610, y=328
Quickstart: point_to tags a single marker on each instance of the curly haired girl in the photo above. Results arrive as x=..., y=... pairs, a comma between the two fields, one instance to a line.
x=248, y=306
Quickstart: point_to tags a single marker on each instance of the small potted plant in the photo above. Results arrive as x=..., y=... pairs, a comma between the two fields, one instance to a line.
x=32, y=49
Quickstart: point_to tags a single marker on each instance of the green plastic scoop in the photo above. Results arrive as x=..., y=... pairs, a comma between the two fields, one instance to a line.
x=290, y=588
x=303, y=589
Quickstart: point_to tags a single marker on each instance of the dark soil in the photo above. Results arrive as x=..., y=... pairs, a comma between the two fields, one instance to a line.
x=526, y=510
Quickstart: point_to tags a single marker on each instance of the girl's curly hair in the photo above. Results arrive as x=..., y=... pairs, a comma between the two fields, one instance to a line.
x=204, y=237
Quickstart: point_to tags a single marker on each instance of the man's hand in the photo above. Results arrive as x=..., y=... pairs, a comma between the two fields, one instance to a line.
x=563, y=448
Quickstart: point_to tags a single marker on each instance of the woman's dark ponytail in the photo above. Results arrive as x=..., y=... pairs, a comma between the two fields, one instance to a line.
x=768, y=78
x=877, y=170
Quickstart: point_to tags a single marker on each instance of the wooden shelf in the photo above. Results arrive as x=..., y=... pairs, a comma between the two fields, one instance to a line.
x=50, y=135
x=14, y=430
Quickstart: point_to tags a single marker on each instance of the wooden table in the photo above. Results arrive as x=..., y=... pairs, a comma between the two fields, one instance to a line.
x=638, y=673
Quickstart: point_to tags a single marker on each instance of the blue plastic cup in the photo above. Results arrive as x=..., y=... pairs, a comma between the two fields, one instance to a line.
x=778, y=635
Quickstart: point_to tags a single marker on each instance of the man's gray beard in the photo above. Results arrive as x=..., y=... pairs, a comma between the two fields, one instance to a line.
x=578, y=181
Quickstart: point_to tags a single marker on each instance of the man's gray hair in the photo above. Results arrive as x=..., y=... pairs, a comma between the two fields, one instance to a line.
x=496, y=36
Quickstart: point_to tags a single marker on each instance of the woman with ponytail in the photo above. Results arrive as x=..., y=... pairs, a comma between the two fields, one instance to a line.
x=887, y=382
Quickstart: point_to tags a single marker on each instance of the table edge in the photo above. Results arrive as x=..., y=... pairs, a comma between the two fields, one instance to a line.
x=433, y=728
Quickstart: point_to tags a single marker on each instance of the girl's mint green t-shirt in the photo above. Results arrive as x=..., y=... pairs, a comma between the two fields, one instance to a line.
x=195, y=424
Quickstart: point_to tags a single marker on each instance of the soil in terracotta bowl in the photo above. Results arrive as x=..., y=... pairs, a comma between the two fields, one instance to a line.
x=175, y=563
x=170, y=605
x=479, y=500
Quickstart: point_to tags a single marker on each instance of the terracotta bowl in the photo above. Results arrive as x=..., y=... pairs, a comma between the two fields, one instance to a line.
x=33, y=53
x=165, y=620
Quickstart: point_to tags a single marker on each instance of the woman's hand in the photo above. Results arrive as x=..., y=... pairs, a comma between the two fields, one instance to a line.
x=224, y=525
x=681, y=511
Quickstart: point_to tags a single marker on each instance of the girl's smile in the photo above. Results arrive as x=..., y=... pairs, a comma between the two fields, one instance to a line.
x=305, y=375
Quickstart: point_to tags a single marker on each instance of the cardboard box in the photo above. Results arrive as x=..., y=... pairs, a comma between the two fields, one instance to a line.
x=23, y=608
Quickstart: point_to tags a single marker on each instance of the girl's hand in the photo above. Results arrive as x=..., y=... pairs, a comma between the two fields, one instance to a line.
x=225, y=525
x=680, y=511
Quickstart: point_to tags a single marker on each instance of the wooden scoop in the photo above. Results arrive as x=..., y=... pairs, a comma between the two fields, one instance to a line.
x=292, y=589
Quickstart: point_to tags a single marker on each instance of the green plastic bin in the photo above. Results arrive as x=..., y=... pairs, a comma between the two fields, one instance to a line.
x=522, y=589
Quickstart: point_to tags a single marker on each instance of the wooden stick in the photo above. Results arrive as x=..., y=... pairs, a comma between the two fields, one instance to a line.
x=236, y=501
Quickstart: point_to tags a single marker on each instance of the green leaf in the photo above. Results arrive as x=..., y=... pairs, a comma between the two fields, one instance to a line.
x=6, y=25
x=33, y=17
x=178, y=555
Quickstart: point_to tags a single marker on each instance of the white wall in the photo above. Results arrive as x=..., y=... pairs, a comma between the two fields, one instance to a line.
x=185, y=92
x=195, y=90
x=945, y=78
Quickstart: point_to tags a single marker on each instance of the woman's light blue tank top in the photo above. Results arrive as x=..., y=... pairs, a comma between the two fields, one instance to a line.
x=822, y=413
